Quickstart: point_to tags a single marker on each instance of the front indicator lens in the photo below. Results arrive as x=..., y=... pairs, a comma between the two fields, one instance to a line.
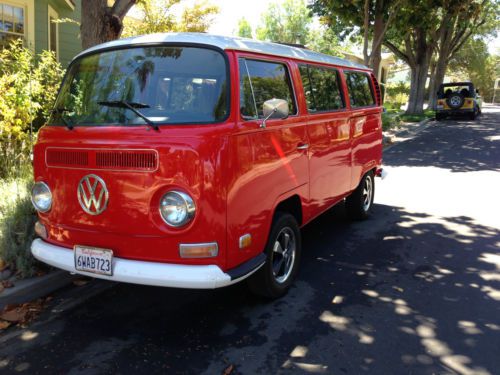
x=177, y=208
x=199, y=250
x=41, y=197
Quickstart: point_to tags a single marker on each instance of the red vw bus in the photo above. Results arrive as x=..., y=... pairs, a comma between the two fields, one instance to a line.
x=192, y=160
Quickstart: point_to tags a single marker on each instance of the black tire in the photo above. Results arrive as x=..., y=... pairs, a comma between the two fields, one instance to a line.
x=267, y=281
x=439, y=117
x=359, y=203
x=455, y=100
x=473, y=115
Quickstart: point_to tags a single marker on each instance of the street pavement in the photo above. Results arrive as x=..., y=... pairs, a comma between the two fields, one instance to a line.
x=415, y=289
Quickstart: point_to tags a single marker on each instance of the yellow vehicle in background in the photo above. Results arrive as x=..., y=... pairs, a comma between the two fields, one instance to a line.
x=458, y=98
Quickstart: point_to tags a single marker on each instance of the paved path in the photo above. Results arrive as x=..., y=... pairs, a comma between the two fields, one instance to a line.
x=413, y=290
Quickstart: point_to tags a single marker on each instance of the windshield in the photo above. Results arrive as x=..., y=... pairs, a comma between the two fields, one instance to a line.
x=168, y=85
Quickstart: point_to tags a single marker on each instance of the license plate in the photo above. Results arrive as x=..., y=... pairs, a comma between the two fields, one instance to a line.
x=94, y=259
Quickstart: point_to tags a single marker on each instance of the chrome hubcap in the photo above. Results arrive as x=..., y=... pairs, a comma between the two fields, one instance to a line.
x=367, y=193
x=283, y=255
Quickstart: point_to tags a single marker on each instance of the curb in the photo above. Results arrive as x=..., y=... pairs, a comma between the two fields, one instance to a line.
x=33, y=288
x=421, y=126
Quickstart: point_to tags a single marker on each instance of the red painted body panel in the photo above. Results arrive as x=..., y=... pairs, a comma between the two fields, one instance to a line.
x=236, y=172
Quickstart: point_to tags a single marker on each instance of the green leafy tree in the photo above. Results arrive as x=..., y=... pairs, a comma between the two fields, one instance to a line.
x=289, y=22
x=324, y=40
x=159, y=17
x=413, y=37
x=461, y=21
x=371, y=18
x=244, y=29
x=421, y=29
x=473, y=62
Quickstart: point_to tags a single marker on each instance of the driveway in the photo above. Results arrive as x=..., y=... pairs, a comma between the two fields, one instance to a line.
x=413, y=290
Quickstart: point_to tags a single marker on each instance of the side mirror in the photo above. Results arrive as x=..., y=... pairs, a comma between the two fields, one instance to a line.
x=274, y=108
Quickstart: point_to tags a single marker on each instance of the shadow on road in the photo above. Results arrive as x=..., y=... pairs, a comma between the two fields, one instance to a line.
x=478, y=148
x=422, y=296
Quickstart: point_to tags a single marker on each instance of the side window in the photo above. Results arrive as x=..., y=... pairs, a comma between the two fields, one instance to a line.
x=322, y=88
x=360, y=92
x=261, y=81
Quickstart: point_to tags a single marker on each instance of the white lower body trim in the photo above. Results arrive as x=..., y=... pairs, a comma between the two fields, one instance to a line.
x=139, y=272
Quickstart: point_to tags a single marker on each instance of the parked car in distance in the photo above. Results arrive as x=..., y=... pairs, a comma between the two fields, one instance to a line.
x=192, y=160
x=458, y=98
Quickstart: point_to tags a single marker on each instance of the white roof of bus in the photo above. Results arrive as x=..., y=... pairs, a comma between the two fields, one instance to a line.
x=228, y=43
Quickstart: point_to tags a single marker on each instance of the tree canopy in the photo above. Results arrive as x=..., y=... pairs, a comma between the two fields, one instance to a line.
x=289, y=22
x=244, y=28
x=158, y=16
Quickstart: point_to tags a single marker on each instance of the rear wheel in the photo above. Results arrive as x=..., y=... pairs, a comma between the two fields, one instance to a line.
x=360, y=202
x=439, y=117
x=283, y=250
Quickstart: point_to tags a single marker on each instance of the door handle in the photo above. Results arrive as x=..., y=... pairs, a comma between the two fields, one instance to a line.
x=303, y=146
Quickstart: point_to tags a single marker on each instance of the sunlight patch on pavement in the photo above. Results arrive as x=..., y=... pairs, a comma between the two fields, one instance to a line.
x=442, y=193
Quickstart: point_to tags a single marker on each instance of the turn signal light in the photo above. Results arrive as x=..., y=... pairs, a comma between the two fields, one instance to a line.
x=245, y=240
x=199, y=250
x=40, y=230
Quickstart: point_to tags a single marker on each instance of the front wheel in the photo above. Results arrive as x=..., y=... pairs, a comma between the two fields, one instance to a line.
x=283, y=251
x=360, y=202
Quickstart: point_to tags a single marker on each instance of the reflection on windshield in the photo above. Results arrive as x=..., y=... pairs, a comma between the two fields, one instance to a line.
x=178, y=85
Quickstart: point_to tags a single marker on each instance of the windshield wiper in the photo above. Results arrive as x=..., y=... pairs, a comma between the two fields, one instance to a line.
x=133, y=107
x=60, y=111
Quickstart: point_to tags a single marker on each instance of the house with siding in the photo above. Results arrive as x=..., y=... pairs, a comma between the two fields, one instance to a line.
x=33, y=21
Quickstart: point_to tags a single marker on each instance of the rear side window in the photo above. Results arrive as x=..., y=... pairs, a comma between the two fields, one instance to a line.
x=261, y=81
x=322, y=88
x=360, y=92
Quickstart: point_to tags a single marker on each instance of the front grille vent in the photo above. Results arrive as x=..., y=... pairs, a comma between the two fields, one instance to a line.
x=142, y=160
x=105, y=159
x=67, y=158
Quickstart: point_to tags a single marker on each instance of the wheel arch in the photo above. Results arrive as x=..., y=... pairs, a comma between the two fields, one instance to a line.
x=292, y=205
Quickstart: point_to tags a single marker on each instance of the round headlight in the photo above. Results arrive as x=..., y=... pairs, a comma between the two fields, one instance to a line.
x=177, y=208
x=41, y=197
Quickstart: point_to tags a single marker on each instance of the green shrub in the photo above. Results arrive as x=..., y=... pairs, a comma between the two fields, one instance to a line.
x=28, y=87
x=397, y=94
x=390, y=121
x=17, y=218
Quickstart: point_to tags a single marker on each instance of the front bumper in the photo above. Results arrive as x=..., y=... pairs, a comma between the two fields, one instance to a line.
x=141, y=272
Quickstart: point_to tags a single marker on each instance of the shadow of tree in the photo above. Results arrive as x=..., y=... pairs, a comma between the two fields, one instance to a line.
x=432, y=286
x=422, y=296
x=466, y=146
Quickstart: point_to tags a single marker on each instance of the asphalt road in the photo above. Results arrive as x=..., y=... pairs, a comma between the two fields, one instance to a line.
x=413, y=290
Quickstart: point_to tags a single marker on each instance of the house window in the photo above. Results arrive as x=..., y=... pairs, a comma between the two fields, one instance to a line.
x=53, y=32
x=12, y=23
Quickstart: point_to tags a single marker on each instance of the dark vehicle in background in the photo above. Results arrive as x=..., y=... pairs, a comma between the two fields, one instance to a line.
x=458, y=98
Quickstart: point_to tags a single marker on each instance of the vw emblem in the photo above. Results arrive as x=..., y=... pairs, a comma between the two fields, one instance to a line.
x=93, y=194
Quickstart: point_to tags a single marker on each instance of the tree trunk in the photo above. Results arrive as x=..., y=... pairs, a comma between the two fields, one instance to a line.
x=432, y=86
x=101, y=23
x=438, y=76
x=419, y=72
x=378, y=35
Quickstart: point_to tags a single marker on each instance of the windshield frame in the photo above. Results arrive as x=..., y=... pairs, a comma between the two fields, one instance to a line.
x=84, y=54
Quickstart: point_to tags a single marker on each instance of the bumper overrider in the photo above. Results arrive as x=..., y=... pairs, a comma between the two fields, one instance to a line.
x=151, y=273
